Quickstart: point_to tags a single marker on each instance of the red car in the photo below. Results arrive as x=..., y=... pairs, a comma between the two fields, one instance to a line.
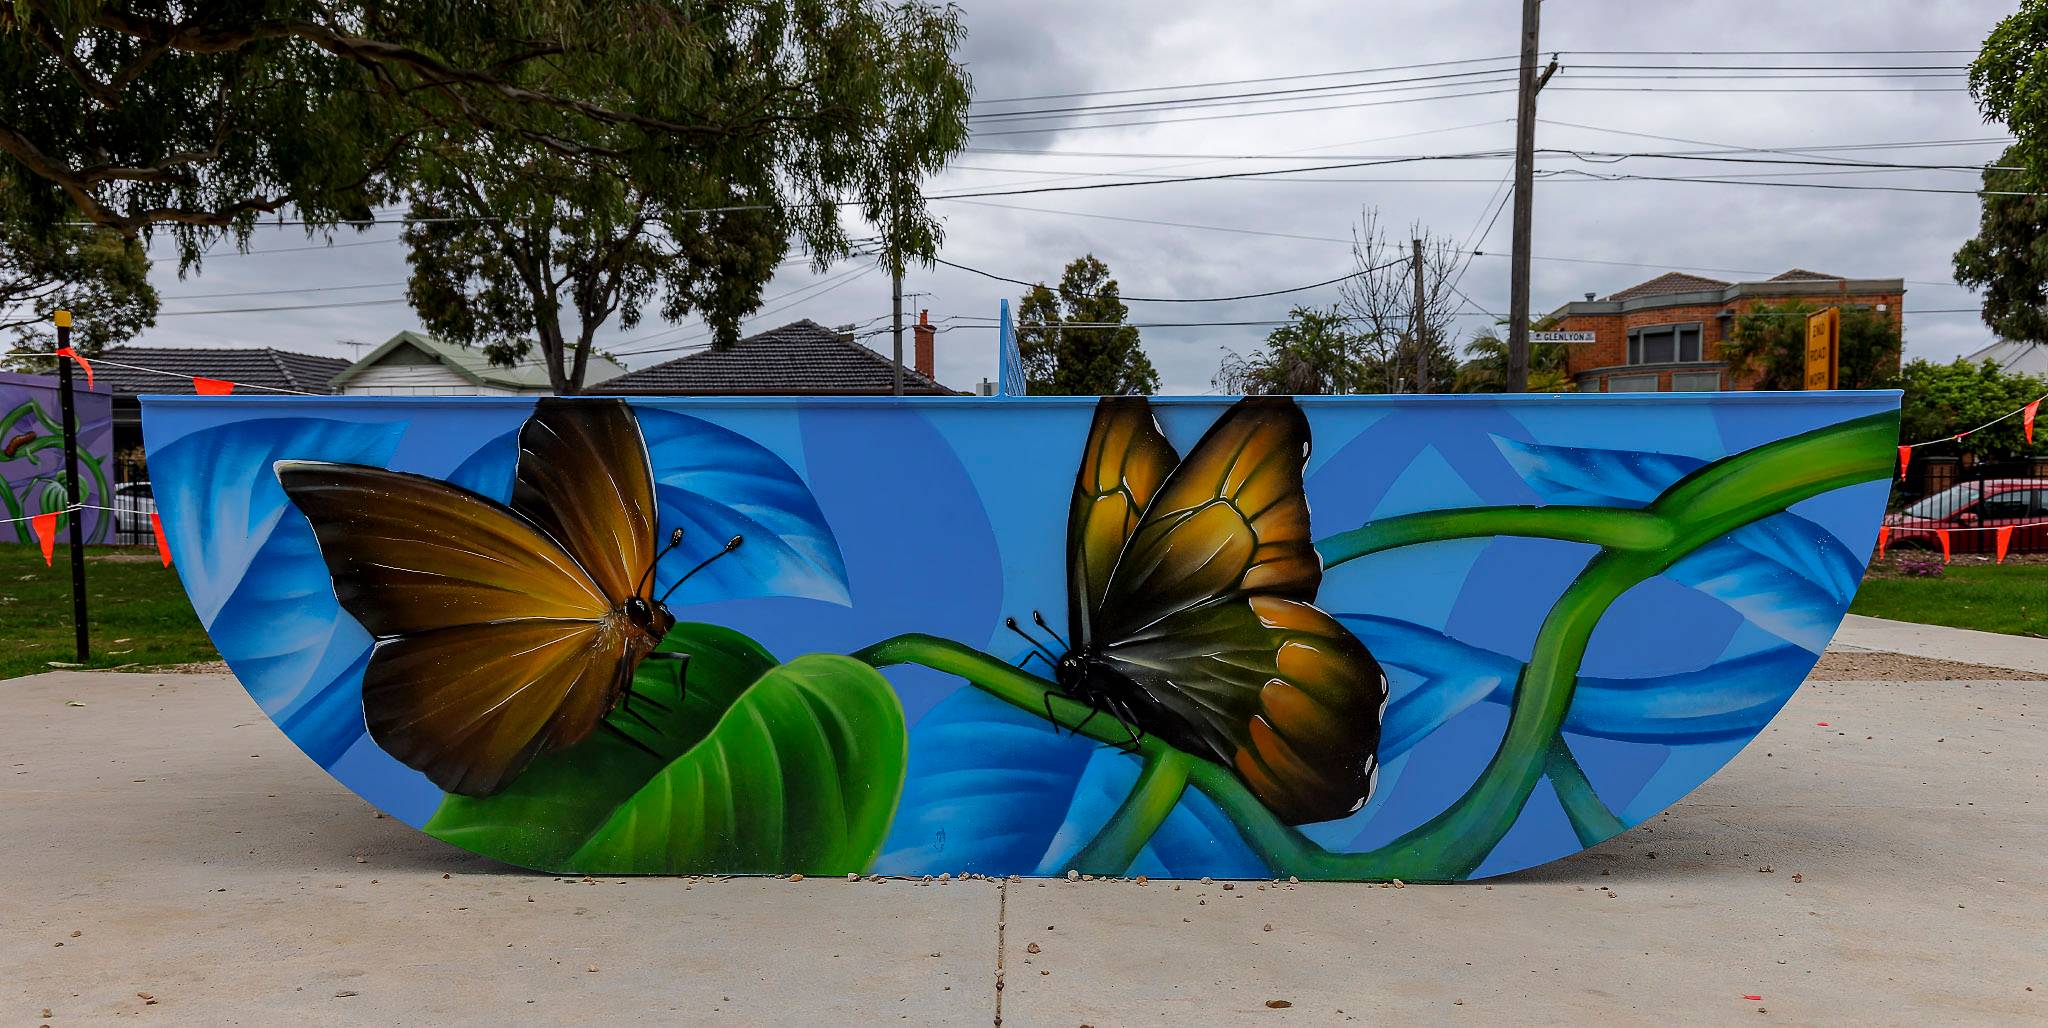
x=2020, y=502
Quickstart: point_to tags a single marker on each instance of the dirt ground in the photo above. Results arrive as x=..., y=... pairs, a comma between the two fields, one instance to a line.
x=1837, y=666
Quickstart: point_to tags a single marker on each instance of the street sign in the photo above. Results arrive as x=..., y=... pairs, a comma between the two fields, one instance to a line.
x=1560, y=337
x=1823, y=344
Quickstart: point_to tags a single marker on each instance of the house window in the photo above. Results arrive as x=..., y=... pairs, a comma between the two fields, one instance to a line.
x=1664, y=344
x=1695, y=381
x=1631, y=383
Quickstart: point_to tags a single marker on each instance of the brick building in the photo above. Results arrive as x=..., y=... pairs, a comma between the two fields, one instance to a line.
x=1665, y=335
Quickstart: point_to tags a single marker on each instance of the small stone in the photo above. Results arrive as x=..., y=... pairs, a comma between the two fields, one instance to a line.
x=1033, y=948
x=1399, y=884
x=1228, y=887
x=76, y=933
x=796, y=878
x=1087, y=878
x=146, y=998
x=1205, y=880
x=853, y=876
x=947, y=877
x=1142, y=879
x=344, y=994
x=1291, y=880
x=592, y=969
x=445, y=876
x=1268, y=928
x=1278, y=1004
x=362, y=860
x=1073, y=875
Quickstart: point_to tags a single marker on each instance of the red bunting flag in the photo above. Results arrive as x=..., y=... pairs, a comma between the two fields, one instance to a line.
x=163, y=549
x=212, y=386
x=1905, y=458
x=1942, y=534
x=2027, y=419
x=1883, y=534
x=2004, y=541
x=45, y=526
x=65, y=351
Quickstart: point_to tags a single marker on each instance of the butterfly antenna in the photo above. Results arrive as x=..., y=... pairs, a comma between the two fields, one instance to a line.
x=675, y=539
x=1039, y=647
x=730, y=545
x=1040, y=620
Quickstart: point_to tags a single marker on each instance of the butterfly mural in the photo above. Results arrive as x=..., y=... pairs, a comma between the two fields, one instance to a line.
x=504, y=632
x=1191, y=607
x=1503, y=640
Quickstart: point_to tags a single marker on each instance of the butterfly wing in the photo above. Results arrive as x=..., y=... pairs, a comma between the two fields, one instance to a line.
x=1123, y=463
x=495, y=645
x=584, y=478
x=1272, y=688
x=1208, y=613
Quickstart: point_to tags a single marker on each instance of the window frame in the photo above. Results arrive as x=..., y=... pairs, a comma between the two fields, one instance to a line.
x=1633, y=355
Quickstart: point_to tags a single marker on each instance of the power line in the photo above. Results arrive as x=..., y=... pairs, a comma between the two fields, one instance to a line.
x=1247, y=82
x=1242, y=114
x=293, y=307
x=1180, y=299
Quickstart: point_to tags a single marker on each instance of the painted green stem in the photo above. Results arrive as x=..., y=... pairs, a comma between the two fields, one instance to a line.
x=1590, y=818
x=1157, y=792
x=1637, y=545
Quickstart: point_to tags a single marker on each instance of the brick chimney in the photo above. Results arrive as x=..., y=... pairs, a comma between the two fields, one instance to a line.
x=926, y=337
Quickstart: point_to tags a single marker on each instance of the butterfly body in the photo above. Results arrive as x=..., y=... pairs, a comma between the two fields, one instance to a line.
x=1192, y=585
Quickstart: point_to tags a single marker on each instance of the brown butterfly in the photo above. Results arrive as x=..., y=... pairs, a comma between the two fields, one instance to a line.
x=1191, y=586
x=503, y=632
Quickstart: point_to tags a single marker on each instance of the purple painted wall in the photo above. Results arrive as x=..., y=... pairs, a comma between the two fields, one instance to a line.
x=32, y=455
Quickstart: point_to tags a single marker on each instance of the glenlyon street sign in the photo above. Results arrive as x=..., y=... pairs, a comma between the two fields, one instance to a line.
x=1560, y=337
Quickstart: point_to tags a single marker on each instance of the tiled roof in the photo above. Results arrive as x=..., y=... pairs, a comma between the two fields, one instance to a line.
x=1803, y=275
x=803, y=358
x=1669, y=282
x=273, y=369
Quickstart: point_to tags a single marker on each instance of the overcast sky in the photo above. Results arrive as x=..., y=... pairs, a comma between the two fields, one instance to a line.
x=1727, y=231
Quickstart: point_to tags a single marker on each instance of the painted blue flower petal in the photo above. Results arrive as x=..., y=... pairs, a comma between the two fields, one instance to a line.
x=1601, y=478
x=1435, y=678
x=989, y=789
x=282, y=631
x=714, y=484
x=1785, y=573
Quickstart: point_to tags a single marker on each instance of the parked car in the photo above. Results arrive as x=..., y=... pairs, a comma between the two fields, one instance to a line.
x=1988, y=504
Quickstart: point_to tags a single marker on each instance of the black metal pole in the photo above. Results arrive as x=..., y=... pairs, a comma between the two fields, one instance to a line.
x=72, y=494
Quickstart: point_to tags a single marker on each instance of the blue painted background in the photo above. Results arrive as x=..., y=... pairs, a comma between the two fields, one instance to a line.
x=870, y=518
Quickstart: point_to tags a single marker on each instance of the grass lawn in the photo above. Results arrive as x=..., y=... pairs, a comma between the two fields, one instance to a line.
x=2011, y=598
x=136, y=609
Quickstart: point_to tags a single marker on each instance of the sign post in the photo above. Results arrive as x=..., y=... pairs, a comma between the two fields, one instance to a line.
x=73, y=495
x=1823, y=348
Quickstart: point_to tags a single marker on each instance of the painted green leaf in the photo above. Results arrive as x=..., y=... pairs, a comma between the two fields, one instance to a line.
x=550, y=811
x=802, y=774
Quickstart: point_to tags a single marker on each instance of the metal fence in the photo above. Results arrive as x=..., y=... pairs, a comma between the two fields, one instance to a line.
x=133, y=503
x=1970, y=500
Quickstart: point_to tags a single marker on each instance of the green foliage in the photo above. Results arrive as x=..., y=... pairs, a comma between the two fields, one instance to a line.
x=2008, y=258
x=1770, y=341
x=204, y=117
x=97, y=275
x=2009, y=78
x=1486, y=367
x=1075, y=342
x=1315, y=353
x=753, y=768
x=1943, y=399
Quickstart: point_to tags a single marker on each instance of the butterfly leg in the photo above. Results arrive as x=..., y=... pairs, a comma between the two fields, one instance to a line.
x=1054, y=718
x=1125, y=721
x=681, y=662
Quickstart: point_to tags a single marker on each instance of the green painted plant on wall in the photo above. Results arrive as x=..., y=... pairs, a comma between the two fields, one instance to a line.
x=32, y=471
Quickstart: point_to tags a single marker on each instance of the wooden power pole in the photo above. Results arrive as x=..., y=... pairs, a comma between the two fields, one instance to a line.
x=1418, y=323
x=896, y=291
x=1525, y=182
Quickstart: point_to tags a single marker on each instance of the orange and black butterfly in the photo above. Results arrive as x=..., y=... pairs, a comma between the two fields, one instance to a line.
x=1191, y=586
x=504, y=632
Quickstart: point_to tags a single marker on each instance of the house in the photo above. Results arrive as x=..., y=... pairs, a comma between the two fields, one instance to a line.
x=1665, y=335
x=417, y=364
x=2015, y=357
x=802, y=358
x=132, y=371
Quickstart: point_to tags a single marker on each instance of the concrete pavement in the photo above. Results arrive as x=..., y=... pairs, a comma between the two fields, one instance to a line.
x=168, y=857
x=1939, y=642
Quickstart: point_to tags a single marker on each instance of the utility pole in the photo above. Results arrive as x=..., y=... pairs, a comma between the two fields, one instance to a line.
x=896, y=290
x=1418, y=323
x=1525, y=182
x=73, y=497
